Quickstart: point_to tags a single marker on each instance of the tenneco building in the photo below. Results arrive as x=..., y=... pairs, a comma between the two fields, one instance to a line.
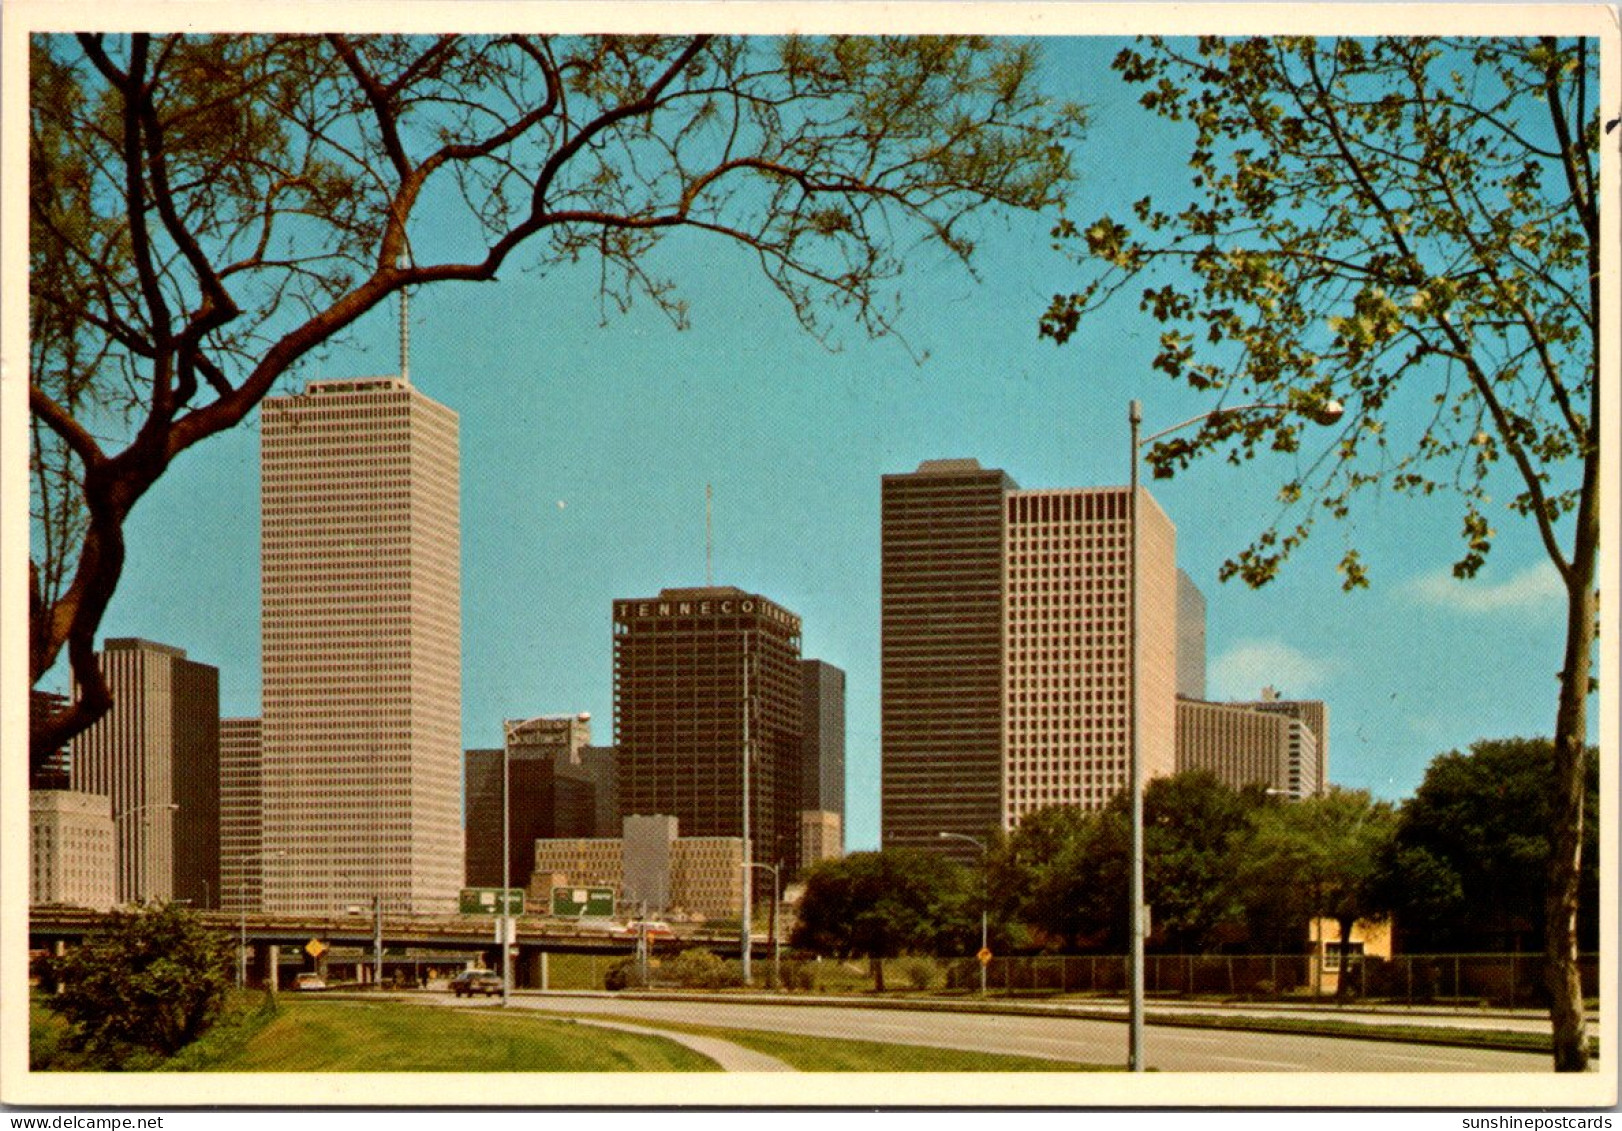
x=690, y=665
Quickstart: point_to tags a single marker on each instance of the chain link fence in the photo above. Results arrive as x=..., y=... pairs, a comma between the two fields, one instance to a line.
x=1501, y=980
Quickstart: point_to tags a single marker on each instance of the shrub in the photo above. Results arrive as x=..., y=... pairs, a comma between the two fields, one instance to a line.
x=145, y=986
x=700, y=969
x=626, y=974
x=919, y=972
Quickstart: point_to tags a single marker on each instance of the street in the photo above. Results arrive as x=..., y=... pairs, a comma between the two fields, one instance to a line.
x=1059, y=1038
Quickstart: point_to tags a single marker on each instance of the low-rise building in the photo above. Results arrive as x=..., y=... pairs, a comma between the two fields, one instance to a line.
x=653, y=869
x=71, y=849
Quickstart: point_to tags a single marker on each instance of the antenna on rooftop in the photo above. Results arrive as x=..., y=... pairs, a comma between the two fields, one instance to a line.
x=405, y=335
x=709, y=534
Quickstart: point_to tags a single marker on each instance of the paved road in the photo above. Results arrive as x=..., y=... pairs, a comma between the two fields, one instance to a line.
x=1059, y=1038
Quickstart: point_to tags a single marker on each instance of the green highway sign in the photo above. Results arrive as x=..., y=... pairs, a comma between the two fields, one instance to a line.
x=583, y=903
x=487, y=901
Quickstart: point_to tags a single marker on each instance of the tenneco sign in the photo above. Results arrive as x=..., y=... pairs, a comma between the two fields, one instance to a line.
x=741, y=605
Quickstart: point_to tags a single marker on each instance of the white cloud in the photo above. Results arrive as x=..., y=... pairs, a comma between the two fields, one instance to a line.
x=1250, y=665
x=1535, y=587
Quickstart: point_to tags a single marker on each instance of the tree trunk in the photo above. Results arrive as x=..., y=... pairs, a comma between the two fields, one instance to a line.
x=1343, y=983
x=877, y=965
x=1568, y=786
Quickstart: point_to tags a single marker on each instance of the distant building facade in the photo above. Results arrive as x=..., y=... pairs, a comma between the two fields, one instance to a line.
x=54, y=772
x=822, y=751
x=1311, y=774
x=1190, y=638
x=361, y=594
x=822, y=837
x=70, y=849
x=651, y=867
x=241, y=821
x=1244, y=746
x=156, y=756
x=690, y=666
x=1005, y=650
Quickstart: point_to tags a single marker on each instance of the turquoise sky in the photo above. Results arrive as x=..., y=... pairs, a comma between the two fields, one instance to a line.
x=587, y=445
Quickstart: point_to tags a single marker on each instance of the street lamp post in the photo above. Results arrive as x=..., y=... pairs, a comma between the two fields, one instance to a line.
x=1325, y=413
x=140, y=861
x=985, y=897
x=510, y=728
x=777, y=898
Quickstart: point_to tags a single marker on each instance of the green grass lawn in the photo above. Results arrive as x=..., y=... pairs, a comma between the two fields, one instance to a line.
x=318, y=1035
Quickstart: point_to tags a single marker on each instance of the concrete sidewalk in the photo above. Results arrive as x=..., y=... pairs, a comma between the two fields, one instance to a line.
x=731, y=1057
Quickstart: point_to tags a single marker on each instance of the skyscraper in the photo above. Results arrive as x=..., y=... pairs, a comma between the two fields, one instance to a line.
x=822, y=754
x=552, y=796
x=689, y=665
x=941, y=654
x=155, y=754
x=362, y=752
x=1005, y=650
x=241, y=818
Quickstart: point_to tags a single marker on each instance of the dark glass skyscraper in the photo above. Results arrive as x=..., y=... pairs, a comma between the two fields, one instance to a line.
x=941, y=654
x=680, y=696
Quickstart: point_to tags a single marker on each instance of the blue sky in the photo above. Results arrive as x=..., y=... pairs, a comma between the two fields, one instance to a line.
x=587, y=445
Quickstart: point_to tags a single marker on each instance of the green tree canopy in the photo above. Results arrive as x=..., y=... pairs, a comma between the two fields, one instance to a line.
x=1194, y=827
x=883, y=904
x=1317, y=858
x=151, y=981
x=1410, y=227
x=207, y=210
x=1468, y=860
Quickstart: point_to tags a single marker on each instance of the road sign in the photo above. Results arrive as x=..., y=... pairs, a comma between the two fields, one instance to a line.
x=984, y=955
x=315, y=948
x=583, y=903
x=487, y=901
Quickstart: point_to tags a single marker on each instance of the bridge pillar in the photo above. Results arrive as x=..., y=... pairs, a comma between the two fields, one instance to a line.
x=272, y=955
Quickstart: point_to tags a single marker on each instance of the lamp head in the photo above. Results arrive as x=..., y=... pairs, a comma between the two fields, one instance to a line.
x=1326, y=412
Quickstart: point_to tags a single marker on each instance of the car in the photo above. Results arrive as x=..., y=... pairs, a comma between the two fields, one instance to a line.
x=653, y=928
x=470, y=982
x=309, y=982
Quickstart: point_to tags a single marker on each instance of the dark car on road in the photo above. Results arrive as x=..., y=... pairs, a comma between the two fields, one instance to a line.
x=471, y=982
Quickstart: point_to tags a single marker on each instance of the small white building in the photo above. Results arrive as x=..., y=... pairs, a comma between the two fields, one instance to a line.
x=70, y=848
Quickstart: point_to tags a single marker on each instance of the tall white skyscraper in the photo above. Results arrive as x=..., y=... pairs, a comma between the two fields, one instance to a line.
x=360, y=584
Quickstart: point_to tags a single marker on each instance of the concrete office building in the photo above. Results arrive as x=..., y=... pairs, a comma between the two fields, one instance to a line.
x=1311, y=773
x=70, y=849
x=1244, y=746
x=651, y=867
x=361, y=590
x=822, y=837
x=1190, y=638
x=1068, y=655
x=156, y=755
x=1005, y=651
x=680, y=696
x=241, y=826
